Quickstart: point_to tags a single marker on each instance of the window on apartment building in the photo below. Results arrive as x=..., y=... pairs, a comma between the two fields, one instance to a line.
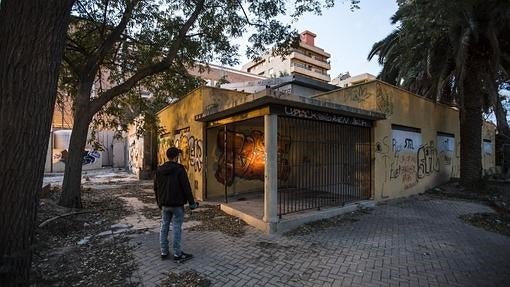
x=320, y=71
x=302, y=65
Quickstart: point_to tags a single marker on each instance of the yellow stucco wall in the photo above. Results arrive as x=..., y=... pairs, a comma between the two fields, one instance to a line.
x=415, y=148
x=183, y=131
x=489, y=148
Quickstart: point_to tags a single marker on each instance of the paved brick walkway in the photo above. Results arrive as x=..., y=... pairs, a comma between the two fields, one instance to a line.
x=409, y=242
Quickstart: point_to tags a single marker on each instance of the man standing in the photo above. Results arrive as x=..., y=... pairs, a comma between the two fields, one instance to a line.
x=173, y=191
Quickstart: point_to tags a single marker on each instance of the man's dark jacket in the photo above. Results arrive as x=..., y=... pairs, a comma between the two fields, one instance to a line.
x=171, y=185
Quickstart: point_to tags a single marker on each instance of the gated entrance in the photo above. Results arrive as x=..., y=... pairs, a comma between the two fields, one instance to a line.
x=325, y=164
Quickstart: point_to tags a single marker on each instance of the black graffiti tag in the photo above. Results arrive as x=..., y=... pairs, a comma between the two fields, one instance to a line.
x=427, y=159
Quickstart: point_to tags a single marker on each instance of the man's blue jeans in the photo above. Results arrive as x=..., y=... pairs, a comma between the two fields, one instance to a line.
x=176, y=215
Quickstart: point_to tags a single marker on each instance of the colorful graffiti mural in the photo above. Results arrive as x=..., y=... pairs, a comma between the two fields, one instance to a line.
x=243, y=156
x=89, y=156
x=192, y=149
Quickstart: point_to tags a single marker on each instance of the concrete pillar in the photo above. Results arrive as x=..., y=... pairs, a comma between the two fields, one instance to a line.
x=270, y=171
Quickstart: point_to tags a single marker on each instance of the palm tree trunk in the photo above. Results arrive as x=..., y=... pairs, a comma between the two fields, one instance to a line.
x=33, y=37
x=471, y=133
x=504, y=133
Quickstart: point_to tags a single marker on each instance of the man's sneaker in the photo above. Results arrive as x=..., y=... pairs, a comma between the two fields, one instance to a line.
x=183, y=257
x=164, y=256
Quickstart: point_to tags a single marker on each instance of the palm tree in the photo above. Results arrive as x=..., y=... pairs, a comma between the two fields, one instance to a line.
x=451, y=51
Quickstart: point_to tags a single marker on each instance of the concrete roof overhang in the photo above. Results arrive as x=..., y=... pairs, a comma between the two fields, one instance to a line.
x=273, y=98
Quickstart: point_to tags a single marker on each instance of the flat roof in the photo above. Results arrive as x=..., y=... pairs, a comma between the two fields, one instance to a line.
x=272, y=97
x=282, y=81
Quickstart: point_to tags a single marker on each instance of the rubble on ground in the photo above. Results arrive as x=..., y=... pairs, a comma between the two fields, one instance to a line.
x=211, y=218
x=493, y=222
x=185, y=279
x=82, y=247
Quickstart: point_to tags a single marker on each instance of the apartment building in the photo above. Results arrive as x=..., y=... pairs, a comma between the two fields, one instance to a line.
x=215, y=75
x=308, y=60
x=346, y=80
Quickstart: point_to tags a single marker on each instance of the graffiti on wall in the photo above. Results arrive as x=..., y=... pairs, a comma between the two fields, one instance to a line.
x=403, y=161
x=244, y=156
x=89, y=156
x=428, y=160
x=135, y=153
x=165, y=142
x=384, y=103
x=357, y=94
x=407, y=160
x=192, y=150
x=326, y=117
x=446, y=148
x=191, y=146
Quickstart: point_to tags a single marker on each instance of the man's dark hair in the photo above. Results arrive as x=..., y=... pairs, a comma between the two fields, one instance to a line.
x=173, y=152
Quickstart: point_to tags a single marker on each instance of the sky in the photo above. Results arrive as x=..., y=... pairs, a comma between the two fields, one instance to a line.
x=349, y=35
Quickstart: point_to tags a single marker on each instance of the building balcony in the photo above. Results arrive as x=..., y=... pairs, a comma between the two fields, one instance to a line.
x=315, y=49
x=307, y=59
x=310, y=73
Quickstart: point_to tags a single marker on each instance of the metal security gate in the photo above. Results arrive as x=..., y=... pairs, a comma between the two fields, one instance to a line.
x=321, y=164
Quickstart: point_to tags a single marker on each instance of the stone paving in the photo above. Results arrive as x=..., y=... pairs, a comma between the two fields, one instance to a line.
x=406, y=242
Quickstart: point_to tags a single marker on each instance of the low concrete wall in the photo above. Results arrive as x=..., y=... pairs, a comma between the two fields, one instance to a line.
x=296, y=220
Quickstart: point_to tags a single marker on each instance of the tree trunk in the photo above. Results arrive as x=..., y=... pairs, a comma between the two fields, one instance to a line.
x=504, y=134
x=71, y=193
x=33, y=37
x=471, y=133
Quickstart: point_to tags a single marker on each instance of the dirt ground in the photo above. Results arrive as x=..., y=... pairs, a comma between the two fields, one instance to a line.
x=87, y=247
x=495, y=194
x=90, y=246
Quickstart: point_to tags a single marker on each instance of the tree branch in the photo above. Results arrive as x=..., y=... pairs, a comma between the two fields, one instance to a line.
x=94, y=61
x=150, y=70
x=246, y=16
x=74, y=69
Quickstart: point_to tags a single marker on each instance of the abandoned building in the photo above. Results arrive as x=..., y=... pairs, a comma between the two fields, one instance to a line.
x=277, y=160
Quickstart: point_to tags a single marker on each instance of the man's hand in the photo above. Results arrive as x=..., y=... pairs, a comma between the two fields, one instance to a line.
x=193, y=206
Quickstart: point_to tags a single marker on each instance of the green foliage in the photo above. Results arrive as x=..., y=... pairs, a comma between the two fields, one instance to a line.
x=454, y=52
x=118, y=50
x=221, y=81
x=435, y=41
